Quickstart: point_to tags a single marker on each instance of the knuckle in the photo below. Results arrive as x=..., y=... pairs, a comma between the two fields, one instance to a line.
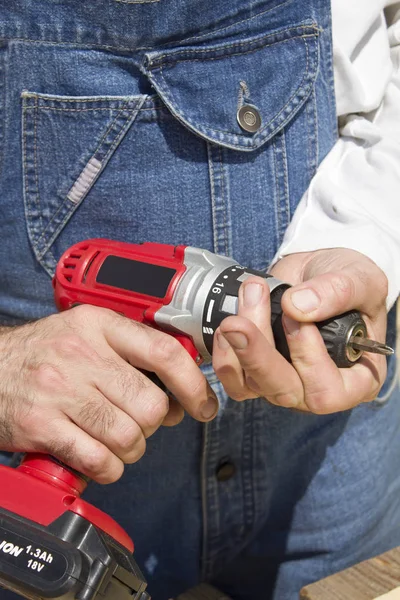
x=320, y=403
x=71, y=345
x=129, y=383
x=155, y=409
x=129, y=437
x=47, y=378
x=166, y=349
x=85, y=313
x=137, y=453
x=286, y=400
x=96, y=460
x=342, y=286
x=97, y=415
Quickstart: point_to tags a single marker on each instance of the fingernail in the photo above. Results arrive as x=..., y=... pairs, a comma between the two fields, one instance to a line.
x=222, y=342
x=291, y=326
x=306, y=300
x=210, y=408
x=237, y=340
x=252, y=294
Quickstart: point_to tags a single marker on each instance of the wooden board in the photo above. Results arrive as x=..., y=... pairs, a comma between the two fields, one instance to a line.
x=366, y=581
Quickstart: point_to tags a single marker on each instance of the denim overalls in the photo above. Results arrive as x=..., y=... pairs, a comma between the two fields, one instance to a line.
x=119, y=118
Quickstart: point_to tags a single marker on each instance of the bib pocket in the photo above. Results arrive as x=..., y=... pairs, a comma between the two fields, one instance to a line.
x=67, y=143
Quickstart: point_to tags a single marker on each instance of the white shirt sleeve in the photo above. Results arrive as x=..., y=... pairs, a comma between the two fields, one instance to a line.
x=354, y=199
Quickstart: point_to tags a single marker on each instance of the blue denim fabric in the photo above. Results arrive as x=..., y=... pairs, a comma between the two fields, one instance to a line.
x=143, y=96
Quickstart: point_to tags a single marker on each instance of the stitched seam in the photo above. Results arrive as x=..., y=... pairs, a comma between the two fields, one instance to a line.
x=123, y=128
x=204, y=499
x=258, y=43
x=264, y=12
x=115, y=47
x=67, y=202
x=49, y=263
x=75, y=44
x=71, y=205
x=60, y=208
x=129, y=48
x=312, y=137
x=35, y=155
x=213, y=195
x=278, y=196
x=247, y=478
x=168, y=94
x=331, y=92
x=47, y=108
x=117, y=99
x=316, y=128
x=223, y=200
x=286, y=178
x=25, y=162
x=310, y=168
x=111, y=126
x=59, y=227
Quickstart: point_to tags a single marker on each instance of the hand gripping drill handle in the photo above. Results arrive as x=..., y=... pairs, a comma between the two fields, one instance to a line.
x=53, y=544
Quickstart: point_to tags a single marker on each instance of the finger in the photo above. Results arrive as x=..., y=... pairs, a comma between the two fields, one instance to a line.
x=229, y=370
x=334, y=293
x=266, y=371
x=105, y=422
x=327, y=389
x=131, y=391
x=152, y=350
x=254, y=304
x=175, y=413
x=79, y=450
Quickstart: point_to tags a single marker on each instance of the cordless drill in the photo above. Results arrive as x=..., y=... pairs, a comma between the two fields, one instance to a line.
x=52, y=543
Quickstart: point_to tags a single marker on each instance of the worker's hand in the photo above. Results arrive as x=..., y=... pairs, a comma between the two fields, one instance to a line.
x=326, y=284
x=70, y=386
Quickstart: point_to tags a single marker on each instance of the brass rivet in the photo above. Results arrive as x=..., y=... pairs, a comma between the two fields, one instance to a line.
x=249, y=118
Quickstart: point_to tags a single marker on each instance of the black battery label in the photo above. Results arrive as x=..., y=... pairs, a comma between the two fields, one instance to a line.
x=25, y=554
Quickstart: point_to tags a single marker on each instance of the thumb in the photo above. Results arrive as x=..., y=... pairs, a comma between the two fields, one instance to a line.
x=336, y=292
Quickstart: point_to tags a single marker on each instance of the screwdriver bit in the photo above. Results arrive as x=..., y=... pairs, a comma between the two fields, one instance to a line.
x=366, y=345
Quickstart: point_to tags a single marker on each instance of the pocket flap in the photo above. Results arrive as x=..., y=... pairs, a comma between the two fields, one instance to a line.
x=206, y=86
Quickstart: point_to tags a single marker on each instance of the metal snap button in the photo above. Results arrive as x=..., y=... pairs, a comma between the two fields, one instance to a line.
x=225, y=471
x=249, y=118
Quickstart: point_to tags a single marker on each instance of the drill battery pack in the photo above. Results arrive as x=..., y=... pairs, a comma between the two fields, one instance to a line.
x=53, y=544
